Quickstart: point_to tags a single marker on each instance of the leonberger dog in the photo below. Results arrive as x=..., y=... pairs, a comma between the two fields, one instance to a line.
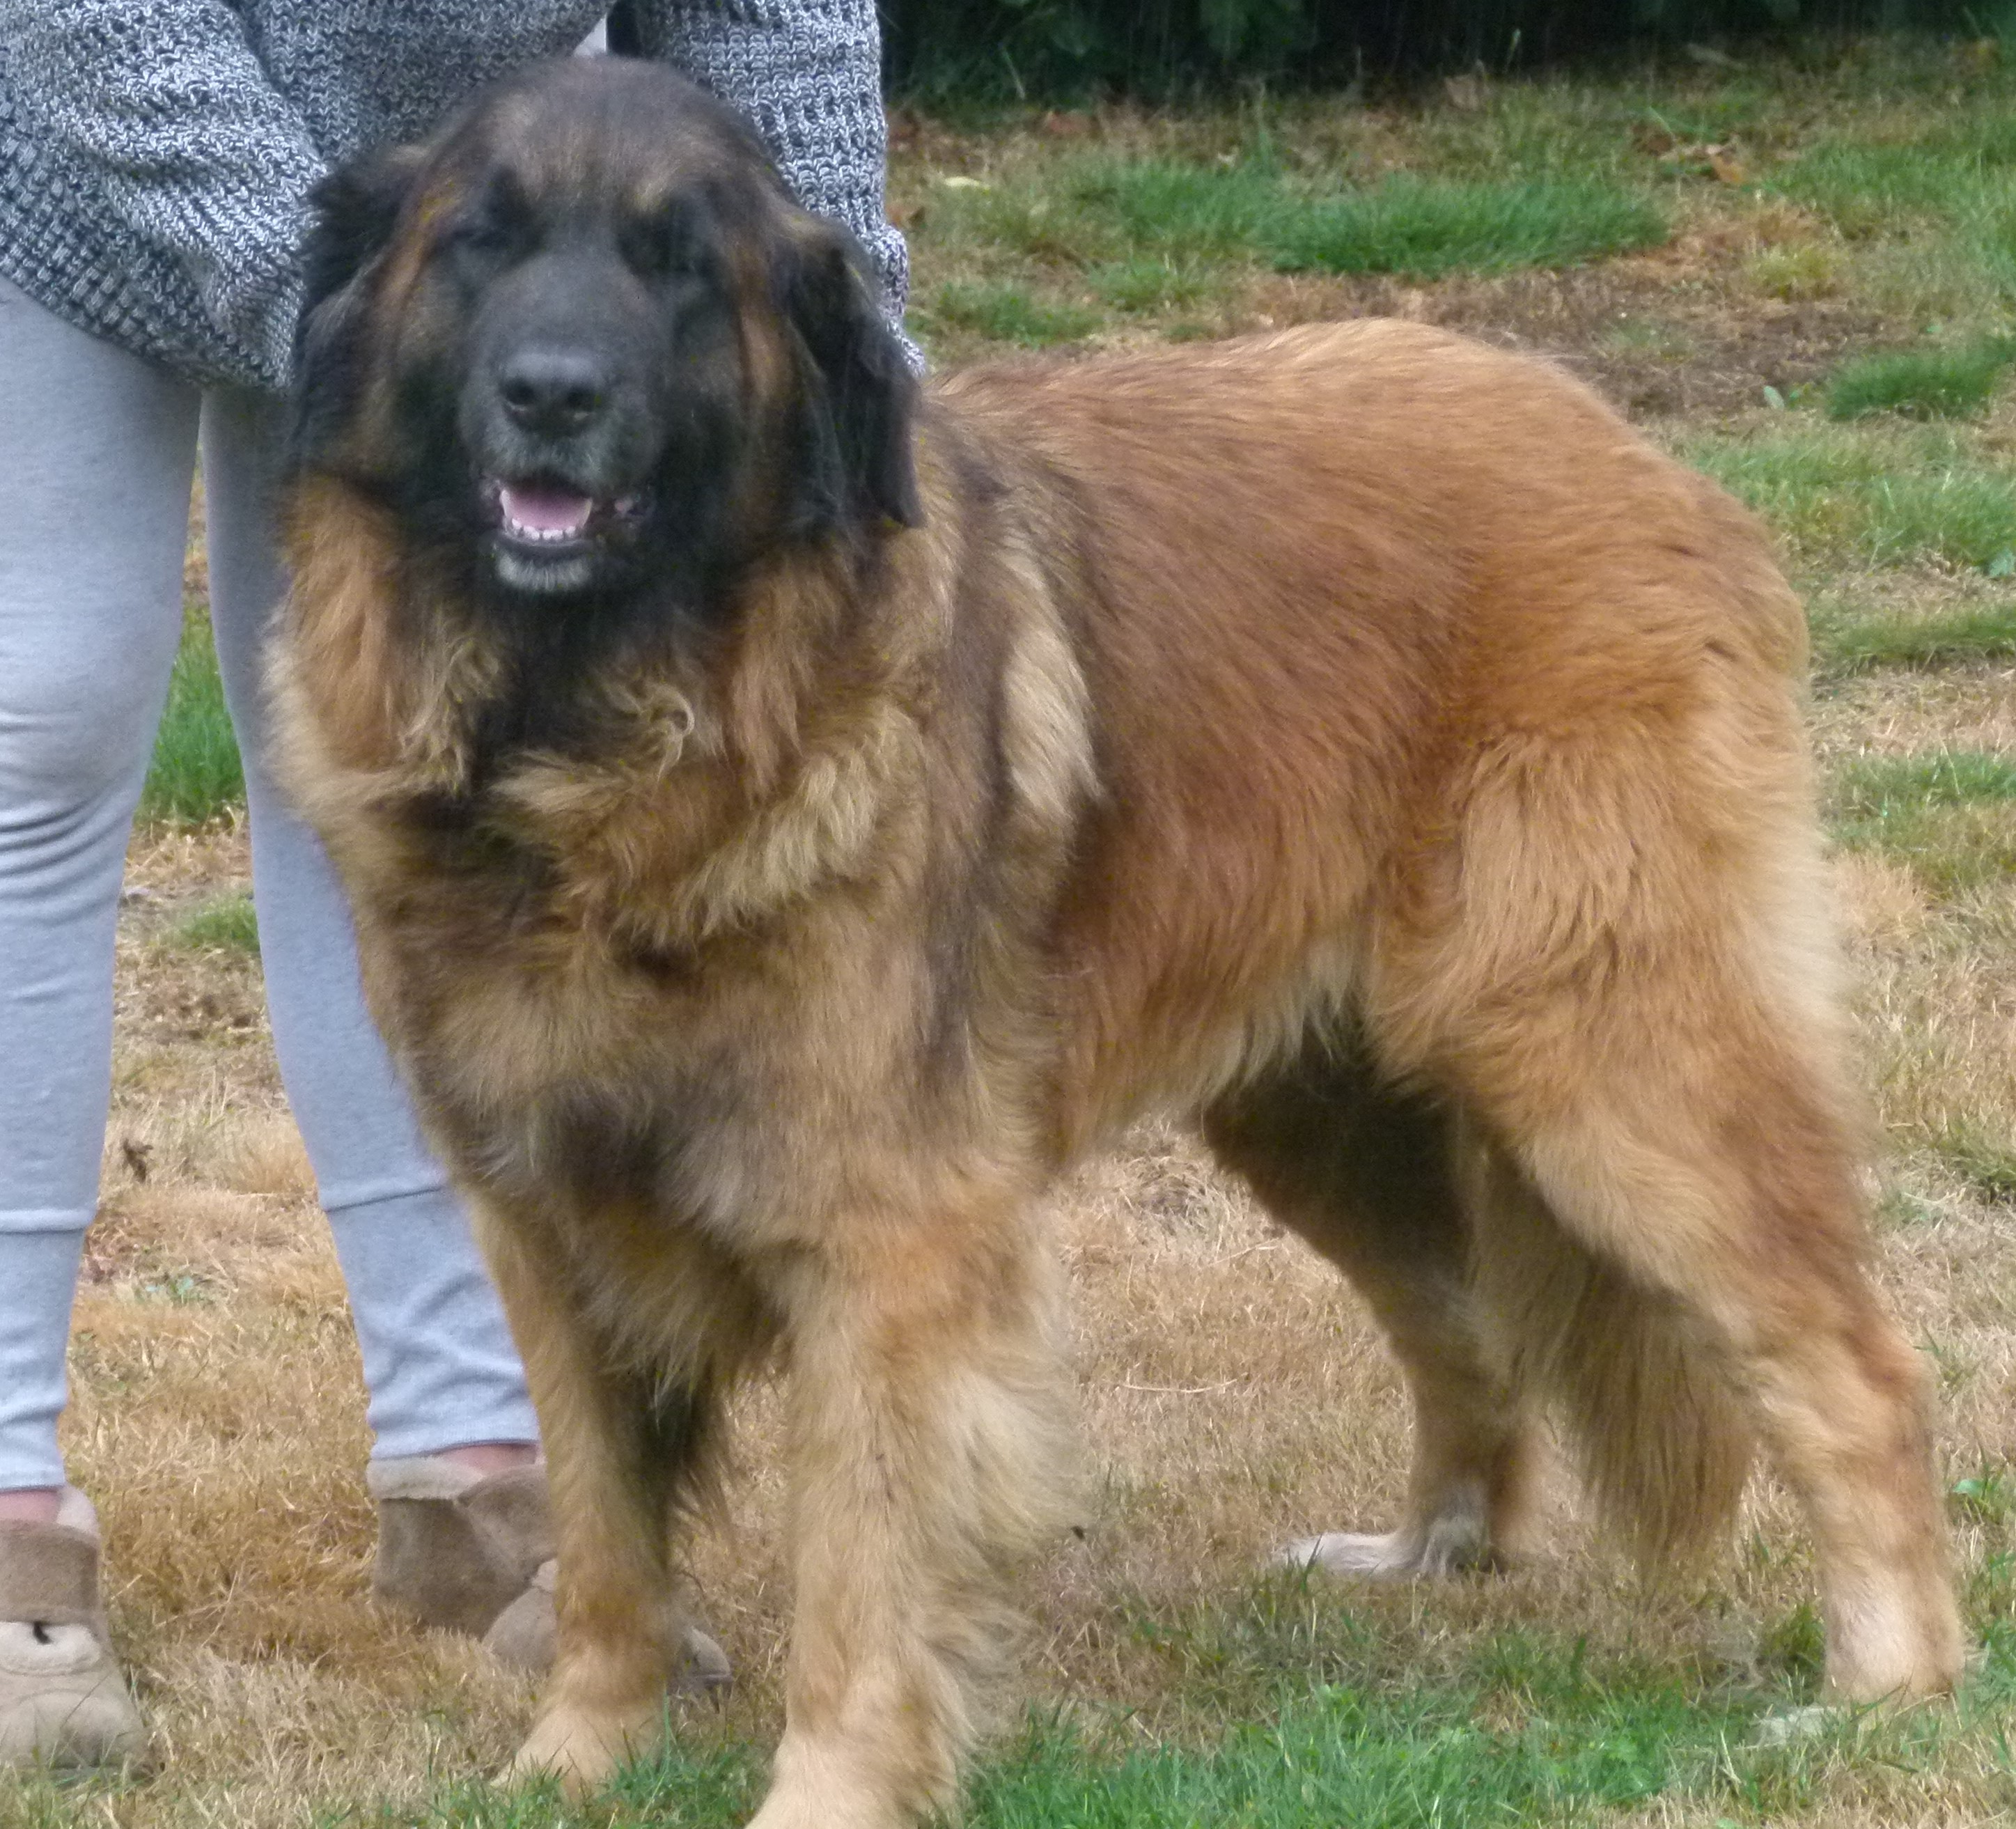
x=792, y=814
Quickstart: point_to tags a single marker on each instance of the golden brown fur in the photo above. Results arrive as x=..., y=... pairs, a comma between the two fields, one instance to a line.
x=1355, y=737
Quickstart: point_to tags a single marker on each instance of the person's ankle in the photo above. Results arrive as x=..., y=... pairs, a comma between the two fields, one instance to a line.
x=32, y=1505
x=491, y=1457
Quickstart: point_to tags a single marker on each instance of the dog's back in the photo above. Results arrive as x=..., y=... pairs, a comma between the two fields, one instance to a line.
x=1345, y=588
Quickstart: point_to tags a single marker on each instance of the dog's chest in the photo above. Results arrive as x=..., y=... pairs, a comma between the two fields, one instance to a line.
x=609, y=1109
x=562, y=1062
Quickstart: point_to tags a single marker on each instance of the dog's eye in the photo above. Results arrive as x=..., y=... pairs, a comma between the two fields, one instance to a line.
x=655, y=247
x=494, y=228
x=484, y=239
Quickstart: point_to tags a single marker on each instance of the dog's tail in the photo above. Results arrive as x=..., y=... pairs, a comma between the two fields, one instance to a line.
x=1659, y=1436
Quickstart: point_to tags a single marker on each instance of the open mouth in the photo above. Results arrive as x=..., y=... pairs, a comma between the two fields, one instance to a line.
x=549, y=517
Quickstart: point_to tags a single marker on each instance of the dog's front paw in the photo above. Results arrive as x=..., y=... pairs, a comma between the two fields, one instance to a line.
x=792, y=1806
x=832, y=1783
x=582, y=1749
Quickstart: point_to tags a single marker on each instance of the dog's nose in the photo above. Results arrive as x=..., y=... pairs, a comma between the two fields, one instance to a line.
x=554, y=390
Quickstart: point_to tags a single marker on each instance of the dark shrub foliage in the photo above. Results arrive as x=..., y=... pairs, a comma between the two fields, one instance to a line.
x=1070, y=47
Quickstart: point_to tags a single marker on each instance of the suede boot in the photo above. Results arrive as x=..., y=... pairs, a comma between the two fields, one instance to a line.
x=525, y=1632
x=456, y=1547
x=473, y=1553
x=62, y=1701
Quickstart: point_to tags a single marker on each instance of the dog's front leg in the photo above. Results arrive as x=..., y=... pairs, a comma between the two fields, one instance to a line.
x=930, y=1448
x=617, y=1452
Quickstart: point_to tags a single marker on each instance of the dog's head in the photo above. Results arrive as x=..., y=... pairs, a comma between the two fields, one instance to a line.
x=584, y=345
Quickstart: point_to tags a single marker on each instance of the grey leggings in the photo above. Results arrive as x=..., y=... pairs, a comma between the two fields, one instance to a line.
x=97, y=452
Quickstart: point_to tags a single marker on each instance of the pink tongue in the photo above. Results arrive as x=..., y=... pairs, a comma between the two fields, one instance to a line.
x=545, y=511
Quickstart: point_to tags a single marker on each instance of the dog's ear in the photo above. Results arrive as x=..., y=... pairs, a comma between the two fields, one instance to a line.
x=354, y=211
x=859, y=395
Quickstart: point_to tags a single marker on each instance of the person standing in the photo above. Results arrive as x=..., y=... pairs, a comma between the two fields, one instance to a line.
x=156, y=158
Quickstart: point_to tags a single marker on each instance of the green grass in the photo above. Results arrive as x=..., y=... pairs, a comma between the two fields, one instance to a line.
x=1881, y=495
x=1986, y=1162
x=1389, y=1757
x=1010, y=314
x=1135, y=207
x=1419, y=227
x=1147, y=231
x=1864, y=190
x=1530, y=1731
x=1151, y=282
x=178, y=1288
x=1929, y=383
x=1948, y=817
x=1523, y=1727
x=195, y=774
x=1424, y=229
x=1880, y=787
x=1845, y=641
x=1987, y=1497
x=227, y=924
x=1938, y=199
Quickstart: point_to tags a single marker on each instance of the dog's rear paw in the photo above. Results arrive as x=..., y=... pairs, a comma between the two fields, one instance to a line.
x=1447, y=1546
x=704, y=1669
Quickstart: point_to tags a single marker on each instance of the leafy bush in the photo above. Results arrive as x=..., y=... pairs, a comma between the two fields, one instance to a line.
x=1024, y=48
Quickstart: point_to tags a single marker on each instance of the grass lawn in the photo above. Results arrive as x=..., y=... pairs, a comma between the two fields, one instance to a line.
x=1799, y=274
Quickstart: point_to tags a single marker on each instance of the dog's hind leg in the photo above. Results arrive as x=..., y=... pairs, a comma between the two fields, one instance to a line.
x=623, y=1449
x=1689, y=1249
x=1365, y=1172
x=931, y=1449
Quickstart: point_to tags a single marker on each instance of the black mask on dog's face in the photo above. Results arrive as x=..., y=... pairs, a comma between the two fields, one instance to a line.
x=585, y=347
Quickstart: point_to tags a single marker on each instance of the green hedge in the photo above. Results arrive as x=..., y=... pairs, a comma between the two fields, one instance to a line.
x=1026, y=48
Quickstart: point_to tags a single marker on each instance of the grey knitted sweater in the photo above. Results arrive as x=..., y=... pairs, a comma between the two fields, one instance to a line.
x=155, y=154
